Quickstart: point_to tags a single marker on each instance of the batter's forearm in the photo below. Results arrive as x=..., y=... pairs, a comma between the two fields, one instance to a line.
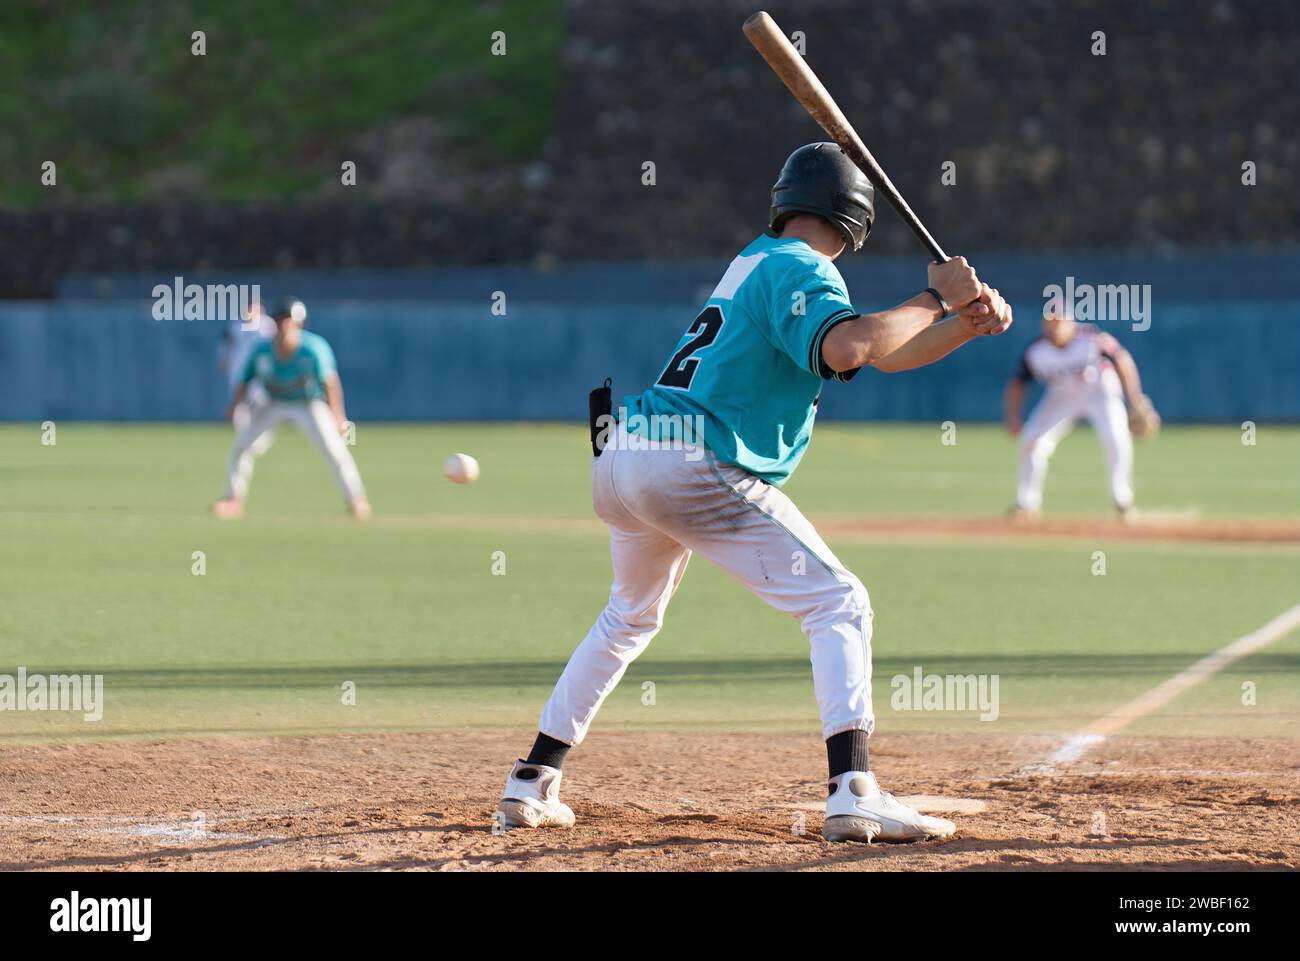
x=933, y=343
x=869, y=338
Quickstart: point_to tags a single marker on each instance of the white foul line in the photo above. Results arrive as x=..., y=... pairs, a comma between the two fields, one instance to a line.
x=1089, y=737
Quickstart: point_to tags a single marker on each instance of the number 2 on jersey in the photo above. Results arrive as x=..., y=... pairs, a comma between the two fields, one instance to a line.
x=681, y=369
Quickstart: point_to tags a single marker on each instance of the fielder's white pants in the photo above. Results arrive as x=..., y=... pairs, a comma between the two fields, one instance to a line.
x=243, y=416
x=316, y=421
x=1102, y=405
x=663, y=505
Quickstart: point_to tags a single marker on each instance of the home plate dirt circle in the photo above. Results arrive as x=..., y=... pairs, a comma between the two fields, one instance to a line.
x=935, y=804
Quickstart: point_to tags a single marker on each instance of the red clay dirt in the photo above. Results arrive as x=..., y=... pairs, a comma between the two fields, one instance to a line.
x=1147, y=528
x=644, y=801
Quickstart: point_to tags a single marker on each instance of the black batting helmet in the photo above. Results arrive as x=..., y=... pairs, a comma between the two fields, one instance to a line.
x=819, y=179
x=290, y=307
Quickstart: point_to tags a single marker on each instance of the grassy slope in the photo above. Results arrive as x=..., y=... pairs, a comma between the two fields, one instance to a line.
x=112, y=92
x=97, y=534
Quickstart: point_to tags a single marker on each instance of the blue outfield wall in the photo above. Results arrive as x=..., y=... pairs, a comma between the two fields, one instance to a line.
x=1223, y=343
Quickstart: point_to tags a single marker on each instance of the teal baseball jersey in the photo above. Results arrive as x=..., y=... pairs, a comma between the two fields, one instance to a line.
x=300, y=377
x=750, y=365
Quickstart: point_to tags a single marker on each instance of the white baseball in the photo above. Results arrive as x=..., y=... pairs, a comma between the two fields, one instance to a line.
x=461, y=468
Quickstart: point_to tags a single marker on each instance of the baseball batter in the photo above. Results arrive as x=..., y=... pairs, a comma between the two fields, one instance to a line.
x=749, y=370
x=1088, y=375
x=296, y=369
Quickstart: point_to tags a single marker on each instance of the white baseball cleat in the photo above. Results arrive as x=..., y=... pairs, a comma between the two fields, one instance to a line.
x=532, y=798
x=857, y=810
x=228, y=509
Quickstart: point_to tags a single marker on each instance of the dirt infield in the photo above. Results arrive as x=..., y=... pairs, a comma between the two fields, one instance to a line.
x=644, y=802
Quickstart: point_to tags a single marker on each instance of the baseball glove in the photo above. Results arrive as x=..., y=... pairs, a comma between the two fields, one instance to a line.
x=1143, y=421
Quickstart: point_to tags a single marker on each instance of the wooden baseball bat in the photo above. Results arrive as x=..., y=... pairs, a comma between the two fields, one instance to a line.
x=782, y=57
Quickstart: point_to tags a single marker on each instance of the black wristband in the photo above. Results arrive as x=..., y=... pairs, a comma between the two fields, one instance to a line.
x=943, y=304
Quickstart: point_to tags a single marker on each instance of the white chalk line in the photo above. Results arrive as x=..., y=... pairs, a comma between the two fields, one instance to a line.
x=925, y=803
x=1084, y=740
x=160, y=830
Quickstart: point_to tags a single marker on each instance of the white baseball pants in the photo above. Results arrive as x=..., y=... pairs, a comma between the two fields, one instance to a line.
x=243, y=416
x=316, y=421
x=1101, y=404
x=663, y=505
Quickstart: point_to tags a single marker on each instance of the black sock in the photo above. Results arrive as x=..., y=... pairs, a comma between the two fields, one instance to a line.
x=547, y=751
x=847, y=751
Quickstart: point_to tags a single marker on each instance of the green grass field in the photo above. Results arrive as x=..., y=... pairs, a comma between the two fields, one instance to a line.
x=98, y=534
x=114, y=94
